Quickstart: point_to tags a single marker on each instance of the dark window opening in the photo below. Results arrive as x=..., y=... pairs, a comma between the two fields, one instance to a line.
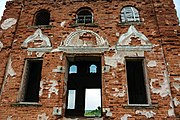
x=84, y=88
x=31, y=82
x=136, y=81
x=84, y=16
x=42, y=17
x=129, y=14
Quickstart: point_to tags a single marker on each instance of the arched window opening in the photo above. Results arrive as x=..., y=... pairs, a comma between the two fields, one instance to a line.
x=73, y=69
x=93, y=69
x=42, y=17
x=129, y=14
x=84, y=16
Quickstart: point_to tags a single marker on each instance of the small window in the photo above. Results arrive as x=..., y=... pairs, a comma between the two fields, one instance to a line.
x=73, y=69
x=129, y=14
x=84, y=16
x=136, y=81
x=42, y=17
x=93, y=69
x=31, y=82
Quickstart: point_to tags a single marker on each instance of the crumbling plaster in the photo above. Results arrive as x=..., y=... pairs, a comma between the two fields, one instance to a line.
x=125, y=116
x=38, y=35
x=148, y=114
x=125, y=39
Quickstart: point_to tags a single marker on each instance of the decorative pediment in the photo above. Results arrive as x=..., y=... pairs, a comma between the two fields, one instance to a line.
x=133, y=40
x=38, y=40
x=84, y=41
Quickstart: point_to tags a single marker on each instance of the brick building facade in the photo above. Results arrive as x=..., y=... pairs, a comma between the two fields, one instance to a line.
x=54, y=53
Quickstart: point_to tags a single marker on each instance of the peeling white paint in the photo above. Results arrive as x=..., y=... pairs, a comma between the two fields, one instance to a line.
x=176, y=101
x=59, y=69
x=1, y=45
x=63, y=23
x=107, y=111
x=176, y=86
x=152, y=63
x=125, y=116
x=55, y=50
x=41, y=88
x=10, y=70
x=39, y=54
x=148, y=114
x=119, y=93
x=29, y=53
x=9, y=118
x=171, y=111
x=164, y=90
x=8, y=23
x=119, y=57
x=178, y=79
x=53, y=88
x=42, y=117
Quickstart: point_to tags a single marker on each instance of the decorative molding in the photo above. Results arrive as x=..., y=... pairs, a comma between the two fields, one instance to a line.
x=35, y=37
x=73, y=43
x=125, y=39
x=75, y=35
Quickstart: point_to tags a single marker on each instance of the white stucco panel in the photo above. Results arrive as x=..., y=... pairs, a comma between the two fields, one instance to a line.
x=125, y=116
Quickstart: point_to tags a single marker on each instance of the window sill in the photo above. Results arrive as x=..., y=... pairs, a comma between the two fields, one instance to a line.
x=26, y=104
x=140, y=106
x=84, y=24
x=130, y=23
x=41, y=26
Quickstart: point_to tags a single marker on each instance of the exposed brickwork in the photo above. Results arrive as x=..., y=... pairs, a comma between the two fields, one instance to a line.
x=158, y=23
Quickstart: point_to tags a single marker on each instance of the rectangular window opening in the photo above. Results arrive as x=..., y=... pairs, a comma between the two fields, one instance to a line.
x=31, y=81
x=136, y=81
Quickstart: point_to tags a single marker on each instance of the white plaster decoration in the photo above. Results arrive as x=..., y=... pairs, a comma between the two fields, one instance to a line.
x=125, y=116
x=63, y=23
x=74, y=44
x=107, y=111
x=36, y=37
x=1, y=45
x=41, y=88
x=152, y=63
x=178, y=79
x=10, y=70
x=53, y=88
x=8, y=23
x=148, y=114
x=125, y=40
x=9, y=118
x=118, y=92
x=171, y=110
x=176, y=101
x=176, y=86
x=59, y=69
x=42, y=117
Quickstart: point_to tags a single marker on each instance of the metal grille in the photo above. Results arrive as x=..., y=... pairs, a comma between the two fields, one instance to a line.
x=129, y=14
x=84, y=16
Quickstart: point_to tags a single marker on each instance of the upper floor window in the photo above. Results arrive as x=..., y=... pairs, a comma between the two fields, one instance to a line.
x=42, y=17
x=73, y=69
x=84, y=15
x=129, y=14
x=93, y=68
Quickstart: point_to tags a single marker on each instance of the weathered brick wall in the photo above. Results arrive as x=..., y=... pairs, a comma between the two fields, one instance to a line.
x=159, y=24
